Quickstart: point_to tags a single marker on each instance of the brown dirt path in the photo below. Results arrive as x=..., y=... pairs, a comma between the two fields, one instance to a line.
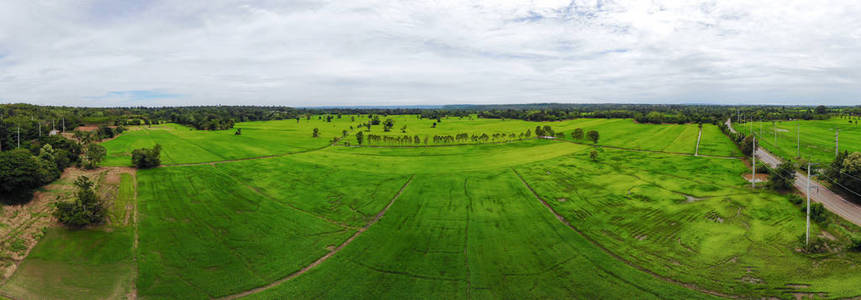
x=324, y=257
x=614, y=255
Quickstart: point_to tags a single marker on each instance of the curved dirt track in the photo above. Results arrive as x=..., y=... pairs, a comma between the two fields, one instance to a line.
x=328, y=255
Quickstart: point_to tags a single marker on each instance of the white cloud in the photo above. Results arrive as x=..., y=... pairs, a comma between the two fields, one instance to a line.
x=429, y=52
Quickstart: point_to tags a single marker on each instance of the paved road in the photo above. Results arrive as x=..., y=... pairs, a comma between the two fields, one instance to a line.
x=819, y=193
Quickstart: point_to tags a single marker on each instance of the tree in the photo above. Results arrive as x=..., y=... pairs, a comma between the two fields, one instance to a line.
x=85, y=210
x=747, y=145
x=239, y=130
x=577, y=134
x=144, y=158
x=851, y=171
x=548, y=131
x=19, y=172
x=593, y=136
x=783, y=176
x=94, y=155
x=593, y=155
x=316, y=132
x=820, y=110
x=538, y=131
x=360, y=137
x=388, y=124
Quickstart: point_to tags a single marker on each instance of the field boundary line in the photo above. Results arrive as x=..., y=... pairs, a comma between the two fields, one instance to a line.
x=651, y=151
x=328, y=255
x=614, y=255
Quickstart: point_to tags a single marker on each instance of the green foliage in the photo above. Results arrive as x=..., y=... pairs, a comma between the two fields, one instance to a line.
x=144, y=158
x=93, y=155
x=593, y=155
x=86, y=209
x=20, y=172
x=360, y=137
x=316, y=132
x=577, y=134
x=593, y=136
x=782, y=178
x=855, y=245
x=747, y=145
x=817, y=212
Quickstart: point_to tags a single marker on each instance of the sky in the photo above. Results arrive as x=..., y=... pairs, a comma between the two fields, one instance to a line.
x=358, y=52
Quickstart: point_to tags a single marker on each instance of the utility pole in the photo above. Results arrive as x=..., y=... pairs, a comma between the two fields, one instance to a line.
x=807, y=237
x=797, y=141
x=40, y=129
x=19, y=137
x=774, y=127
x=753, y=155
x=64, y=124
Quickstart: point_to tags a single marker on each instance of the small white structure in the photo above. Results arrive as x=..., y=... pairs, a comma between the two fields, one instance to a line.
x=54, y=132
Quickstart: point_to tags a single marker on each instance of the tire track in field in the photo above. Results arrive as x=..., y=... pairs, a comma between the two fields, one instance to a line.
x=328, y=255
x=614, y=255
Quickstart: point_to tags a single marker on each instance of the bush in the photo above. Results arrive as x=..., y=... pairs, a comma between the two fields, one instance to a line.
x=783, y=177
x=855, y=245
x=144, y=158
x=816, y=245
x=817, y=212
x=795, y=199
x=87, y=208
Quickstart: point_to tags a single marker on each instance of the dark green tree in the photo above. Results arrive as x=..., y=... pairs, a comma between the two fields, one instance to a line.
x=577, y=134
x=316, y=132
x=783, y=176
x=86, y=209
x=360, y=137
x=144, y=158
x=593, y=136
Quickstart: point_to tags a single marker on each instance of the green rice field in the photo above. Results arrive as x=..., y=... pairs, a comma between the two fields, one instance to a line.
x=813, y=140
x=275, y=213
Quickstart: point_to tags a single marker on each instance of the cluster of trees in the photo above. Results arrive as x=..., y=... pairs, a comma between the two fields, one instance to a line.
x=23, y=170
x=86, y=209
x=144, y=158
x=845, y=173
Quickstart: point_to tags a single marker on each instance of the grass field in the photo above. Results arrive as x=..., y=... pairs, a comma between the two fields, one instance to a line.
x=183, y=145
x=817, y=137
x=528, y=219
x=93, y=263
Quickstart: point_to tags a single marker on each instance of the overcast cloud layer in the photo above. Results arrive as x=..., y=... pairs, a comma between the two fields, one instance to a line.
x=356, y=52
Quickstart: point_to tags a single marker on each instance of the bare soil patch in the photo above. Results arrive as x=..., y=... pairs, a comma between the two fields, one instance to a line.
x=759, y=177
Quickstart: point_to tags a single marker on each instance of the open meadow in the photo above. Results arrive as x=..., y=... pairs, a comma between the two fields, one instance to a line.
x=275, y=213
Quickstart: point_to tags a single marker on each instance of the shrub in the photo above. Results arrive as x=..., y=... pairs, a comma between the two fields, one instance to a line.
x=855, y=245
x=817, y=212
x=795, y=199
x=144, y=158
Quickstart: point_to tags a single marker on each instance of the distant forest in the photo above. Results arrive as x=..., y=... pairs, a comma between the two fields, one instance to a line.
x=32, y=121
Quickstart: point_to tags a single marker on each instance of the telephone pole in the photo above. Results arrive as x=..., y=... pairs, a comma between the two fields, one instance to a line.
x=797, y=141
x=19, y=137
x=64, y=124
x=807, y=237
x=40, y=129
x=753, y=155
